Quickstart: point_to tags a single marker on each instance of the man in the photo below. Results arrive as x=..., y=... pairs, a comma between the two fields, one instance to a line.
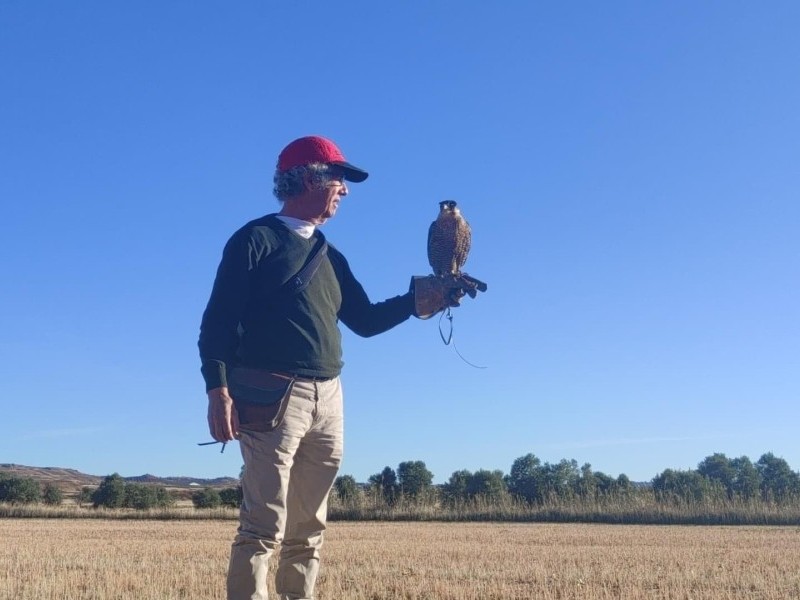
x=271, y=358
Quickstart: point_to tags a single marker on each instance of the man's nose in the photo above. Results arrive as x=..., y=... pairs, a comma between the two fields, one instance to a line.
x=343, y=191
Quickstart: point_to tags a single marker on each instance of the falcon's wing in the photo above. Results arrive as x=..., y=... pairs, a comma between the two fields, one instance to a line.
x=431, y=230
x=468, y=241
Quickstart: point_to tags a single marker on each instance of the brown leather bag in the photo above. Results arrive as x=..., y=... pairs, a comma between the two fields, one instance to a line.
x=260, y=397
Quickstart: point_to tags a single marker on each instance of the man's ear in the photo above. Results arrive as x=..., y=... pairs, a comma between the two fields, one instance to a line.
x=307, y=183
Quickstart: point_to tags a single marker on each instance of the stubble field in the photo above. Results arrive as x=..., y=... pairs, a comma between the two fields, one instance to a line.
x=78, y=559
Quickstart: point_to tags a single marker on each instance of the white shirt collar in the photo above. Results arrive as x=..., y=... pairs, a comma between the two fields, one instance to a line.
x=302, y=228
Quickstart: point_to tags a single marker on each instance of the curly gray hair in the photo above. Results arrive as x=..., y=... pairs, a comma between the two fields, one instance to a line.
x=291, y=183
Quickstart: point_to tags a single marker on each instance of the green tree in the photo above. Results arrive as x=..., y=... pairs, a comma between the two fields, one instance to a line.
x=206, y=498
x=346, y=488
x=456, y=487
x=778, y=481
x=489, y=485
x=718, y=468
x=52, y=495
x=624, y=483
x=110, y=493
x=414, y=478
x=164, y=499
x=603, y=484
x=386, y=484
x=684, y=485
x=143, y=496
x=746, y=479
x=231, y=496
x=138, y=496
x=19, y=490
x=560, y=479
x=586, y=483
x=85, y=495
x=525, y=478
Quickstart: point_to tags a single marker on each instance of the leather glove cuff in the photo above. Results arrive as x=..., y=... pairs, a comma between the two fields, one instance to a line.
x=433, y=294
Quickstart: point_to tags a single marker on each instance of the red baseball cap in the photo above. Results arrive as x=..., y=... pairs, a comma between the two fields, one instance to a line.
x=315, y=148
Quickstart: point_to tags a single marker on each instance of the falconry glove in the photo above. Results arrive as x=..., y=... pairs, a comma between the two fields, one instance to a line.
x=433, y=294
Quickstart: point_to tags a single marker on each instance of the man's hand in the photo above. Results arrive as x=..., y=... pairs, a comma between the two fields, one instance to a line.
x=223, y=422
x=433, y=294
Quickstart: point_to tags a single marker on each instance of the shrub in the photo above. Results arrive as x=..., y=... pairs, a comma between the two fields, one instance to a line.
x=231, y=496
x=110, y=493
x=414, y=478
x=206, y=498
x=84, y=496
x=115, y=492
x=385, y=483
x=52, y=495
x=143, y=497
x=346, y=488
x=19, y=490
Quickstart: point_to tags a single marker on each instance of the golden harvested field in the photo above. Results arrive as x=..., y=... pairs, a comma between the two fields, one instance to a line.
x=73, y=559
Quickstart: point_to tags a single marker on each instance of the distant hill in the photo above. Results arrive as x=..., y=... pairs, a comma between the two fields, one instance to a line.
x=185, y=481
x=72, y=480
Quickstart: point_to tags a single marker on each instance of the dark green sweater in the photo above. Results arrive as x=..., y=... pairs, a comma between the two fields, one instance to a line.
x=295, y=333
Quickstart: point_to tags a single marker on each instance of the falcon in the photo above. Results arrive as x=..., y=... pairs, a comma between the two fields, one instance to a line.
x=449, y=241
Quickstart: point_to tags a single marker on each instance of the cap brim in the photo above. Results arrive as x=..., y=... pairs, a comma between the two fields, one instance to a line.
x=351, y=172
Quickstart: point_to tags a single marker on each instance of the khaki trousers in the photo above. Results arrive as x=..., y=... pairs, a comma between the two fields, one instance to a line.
x=288, y=474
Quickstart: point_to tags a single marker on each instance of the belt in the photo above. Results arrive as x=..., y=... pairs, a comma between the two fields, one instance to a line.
x=307, y=378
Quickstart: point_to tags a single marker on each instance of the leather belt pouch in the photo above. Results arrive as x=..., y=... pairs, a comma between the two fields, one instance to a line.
x=260, y=397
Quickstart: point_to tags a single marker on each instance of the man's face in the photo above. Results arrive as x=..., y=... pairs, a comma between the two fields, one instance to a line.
x=321, y=202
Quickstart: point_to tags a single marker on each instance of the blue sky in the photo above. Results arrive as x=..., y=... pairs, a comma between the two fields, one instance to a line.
x=629, y=169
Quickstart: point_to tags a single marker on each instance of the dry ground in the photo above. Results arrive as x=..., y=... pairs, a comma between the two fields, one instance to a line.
x=73, y=559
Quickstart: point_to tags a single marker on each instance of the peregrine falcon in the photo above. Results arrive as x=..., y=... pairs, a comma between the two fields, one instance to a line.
x=449, y=241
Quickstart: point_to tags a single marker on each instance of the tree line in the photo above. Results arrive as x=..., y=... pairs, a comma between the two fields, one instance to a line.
x=770, y=479
x=530, y=481
x=113, y=492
